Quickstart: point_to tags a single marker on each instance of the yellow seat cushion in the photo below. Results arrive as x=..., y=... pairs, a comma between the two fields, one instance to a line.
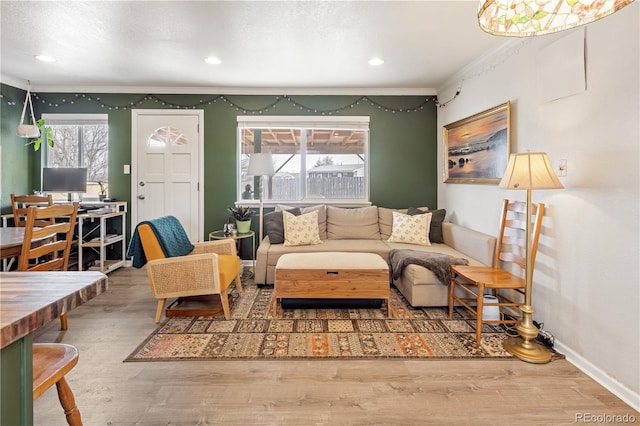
x=229, y=268
x=150, y=244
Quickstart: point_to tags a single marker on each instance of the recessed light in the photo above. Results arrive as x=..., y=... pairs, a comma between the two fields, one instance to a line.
x=45, y=58
x=376, y=62
x=213, y=61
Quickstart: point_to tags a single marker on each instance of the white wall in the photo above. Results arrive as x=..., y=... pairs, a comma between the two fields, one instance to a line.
x=586, y=281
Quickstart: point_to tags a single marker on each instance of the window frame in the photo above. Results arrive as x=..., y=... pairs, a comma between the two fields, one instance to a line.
x=76, y=119
x=304, y=123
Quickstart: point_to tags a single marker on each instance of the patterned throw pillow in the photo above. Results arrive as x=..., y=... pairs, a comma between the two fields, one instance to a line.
x=322, y=216
x=437, y=217
x=300, y=230
x=410, y=229
x=274, y=225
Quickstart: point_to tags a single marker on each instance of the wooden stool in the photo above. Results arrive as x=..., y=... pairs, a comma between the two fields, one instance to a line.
x=51, y=361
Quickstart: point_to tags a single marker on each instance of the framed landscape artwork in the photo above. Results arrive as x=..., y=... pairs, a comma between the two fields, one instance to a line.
x=476, y=148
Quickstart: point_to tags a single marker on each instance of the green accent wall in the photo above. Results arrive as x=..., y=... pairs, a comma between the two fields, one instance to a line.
x=16, y=155
x=403, y=145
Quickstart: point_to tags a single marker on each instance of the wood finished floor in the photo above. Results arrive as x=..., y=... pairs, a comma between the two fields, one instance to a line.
x=385, y=392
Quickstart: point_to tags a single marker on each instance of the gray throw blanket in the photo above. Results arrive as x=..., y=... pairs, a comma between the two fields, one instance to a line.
x=438, y=263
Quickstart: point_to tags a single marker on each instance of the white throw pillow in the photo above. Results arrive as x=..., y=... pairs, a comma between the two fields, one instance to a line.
x=411, y=229
x=300, y=230
x=322, y=216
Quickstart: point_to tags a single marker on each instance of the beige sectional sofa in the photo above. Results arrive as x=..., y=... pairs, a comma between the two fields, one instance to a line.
x=367, y=230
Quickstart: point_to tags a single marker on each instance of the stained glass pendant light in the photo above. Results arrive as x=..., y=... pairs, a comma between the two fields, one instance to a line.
x=524, y=18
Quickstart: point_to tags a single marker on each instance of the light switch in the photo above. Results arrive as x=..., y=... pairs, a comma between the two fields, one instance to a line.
x=562, y=168
x=127, y=169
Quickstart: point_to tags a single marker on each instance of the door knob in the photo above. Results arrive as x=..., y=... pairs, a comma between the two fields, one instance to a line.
x=141, y=183
x=141, y=197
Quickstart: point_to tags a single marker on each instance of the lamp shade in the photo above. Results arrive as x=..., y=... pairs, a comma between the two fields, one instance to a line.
x=530, y=170
x=524, y=18
x=260, y=164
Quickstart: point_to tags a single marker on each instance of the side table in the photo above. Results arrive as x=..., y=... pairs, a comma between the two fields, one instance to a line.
x=220, y=235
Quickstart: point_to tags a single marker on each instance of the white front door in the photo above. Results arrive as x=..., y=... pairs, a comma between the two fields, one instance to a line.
x=167, y=167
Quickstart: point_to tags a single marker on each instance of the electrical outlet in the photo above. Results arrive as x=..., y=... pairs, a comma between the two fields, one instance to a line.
x=562, y=168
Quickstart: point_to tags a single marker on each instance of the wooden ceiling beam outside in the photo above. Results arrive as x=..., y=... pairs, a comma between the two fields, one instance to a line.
x=321, y=141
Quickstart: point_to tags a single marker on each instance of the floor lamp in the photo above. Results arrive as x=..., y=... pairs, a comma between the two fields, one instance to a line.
x=260, y=164
x=528, y=171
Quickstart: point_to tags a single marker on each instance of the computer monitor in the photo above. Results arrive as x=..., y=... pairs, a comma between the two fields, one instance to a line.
x=64, y=179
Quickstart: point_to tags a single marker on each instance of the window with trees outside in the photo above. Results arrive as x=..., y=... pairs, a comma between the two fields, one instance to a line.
x=81, y=140
x=316, y=159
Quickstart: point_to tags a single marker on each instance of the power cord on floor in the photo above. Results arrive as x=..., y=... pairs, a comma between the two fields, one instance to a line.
x=543, y=337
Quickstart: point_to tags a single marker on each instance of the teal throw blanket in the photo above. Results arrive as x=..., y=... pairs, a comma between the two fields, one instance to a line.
x=171, y=236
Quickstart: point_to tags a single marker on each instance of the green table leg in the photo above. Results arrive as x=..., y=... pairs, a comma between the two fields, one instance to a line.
x=16, y=383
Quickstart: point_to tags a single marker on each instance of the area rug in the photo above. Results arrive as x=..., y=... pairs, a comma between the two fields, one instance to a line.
x=254, y=333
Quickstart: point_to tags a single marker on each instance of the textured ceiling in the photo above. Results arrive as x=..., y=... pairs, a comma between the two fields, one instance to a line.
x=300, y=45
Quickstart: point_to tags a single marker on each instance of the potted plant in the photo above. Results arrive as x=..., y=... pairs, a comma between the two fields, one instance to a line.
x=242, y=215
x=102, y=194
x=37, y=130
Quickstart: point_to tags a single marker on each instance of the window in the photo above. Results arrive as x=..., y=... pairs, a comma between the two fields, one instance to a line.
x=81, y=140
x=315, y=158
x=166, y=135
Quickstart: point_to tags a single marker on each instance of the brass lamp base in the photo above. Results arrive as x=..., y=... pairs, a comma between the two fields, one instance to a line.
x=529, y=351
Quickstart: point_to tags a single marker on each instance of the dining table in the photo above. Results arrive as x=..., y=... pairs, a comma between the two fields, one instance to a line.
x=29, y=301
x=11, y=238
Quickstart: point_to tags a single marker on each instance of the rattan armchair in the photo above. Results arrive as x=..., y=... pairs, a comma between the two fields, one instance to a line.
x=209, y=269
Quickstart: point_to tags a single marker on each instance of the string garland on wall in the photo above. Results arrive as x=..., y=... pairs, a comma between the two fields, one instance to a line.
x=503, y=56
x=223, y=99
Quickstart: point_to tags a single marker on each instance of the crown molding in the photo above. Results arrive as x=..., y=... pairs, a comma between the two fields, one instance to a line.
x=492, y=56
x=226, y=90
x=18, y=84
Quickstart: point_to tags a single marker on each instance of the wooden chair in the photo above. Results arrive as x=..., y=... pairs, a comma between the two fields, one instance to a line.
x=20, y=204
x=470, y=282
x=209, y=269
x=51, y=362
x=47, y=247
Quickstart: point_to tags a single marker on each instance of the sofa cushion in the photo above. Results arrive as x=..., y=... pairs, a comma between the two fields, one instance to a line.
x=410, y=229
x=378, y=247
x=352, y=224
x=274, y=225
x=300, y=230
x=437, y=217
x=322, y=216
x=385, y=220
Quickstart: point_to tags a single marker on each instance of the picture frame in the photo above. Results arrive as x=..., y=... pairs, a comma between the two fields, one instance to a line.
x=476, y=149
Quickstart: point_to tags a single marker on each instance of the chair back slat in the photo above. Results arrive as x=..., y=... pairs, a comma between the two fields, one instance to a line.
x=511, y=244
x=513, y=258
x=47, y=248
x=21, y=203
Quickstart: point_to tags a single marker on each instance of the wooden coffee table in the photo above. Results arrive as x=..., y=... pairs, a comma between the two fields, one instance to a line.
x=331, y=275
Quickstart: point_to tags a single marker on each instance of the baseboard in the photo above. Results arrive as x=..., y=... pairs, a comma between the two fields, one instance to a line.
x=618, y=389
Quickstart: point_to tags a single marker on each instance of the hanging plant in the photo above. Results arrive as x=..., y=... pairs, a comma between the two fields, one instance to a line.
x=45, y=132
x=37, y=129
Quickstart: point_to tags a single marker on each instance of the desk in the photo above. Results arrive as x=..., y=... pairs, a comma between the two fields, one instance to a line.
x=88, y=222
x=29, y=300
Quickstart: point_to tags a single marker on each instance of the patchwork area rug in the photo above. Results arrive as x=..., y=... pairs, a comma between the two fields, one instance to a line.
x=254, y=333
